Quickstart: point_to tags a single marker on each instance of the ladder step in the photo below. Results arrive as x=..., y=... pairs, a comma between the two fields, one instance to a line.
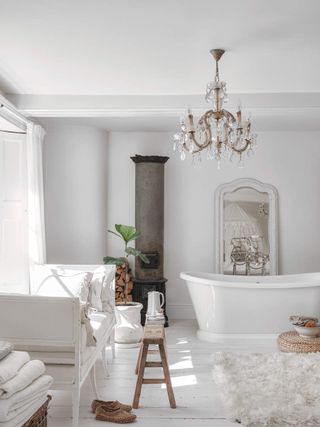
x=153, y=365
x=153, y=381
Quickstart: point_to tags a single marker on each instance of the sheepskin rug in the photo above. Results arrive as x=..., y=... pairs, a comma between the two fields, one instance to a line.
x=269, y=390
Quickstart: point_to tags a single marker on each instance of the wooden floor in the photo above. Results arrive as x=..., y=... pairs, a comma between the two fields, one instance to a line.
x=198, y=402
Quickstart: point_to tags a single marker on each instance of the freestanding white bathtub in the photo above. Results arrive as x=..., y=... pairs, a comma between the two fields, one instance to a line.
x=234, y=306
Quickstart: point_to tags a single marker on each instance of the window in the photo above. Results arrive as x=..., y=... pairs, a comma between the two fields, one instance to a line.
x=13, y=214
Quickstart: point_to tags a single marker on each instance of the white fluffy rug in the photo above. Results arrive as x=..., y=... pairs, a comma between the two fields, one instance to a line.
x=270, y=390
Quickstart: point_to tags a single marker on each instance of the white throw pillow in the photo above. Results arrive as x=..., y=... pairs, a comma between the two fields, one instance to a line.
x=101, y=295
x=95, y=290
x=107, y=294
x=52, y=281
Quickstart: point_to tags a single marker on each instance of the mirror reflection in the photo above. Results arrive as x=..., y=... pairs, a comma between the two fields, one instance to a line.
x=245, y=232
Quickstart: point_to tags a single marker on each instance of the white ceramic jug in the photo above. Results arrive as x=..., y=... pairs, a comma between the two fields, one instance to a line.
x=155, y=302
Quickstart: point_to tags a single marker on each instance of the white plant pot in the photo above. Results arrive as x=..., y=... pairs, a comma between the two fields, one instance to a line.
x=128, y=330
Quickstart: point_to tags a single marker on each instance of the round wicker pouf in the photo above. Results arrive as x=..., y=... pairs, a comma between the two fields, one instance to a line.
x=291, y=342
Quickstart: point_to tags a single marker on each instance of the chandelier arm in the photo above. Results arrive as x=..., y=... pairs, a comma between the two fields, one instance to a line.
x=204, y=125
x=197, y=144
x=241, y=150
x=198, y=150
x=208, y=130
x=228, y=115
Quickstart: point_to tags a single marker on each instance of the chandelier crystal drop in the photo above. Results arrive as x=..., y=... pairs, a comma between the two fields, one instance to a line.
x=219, y=132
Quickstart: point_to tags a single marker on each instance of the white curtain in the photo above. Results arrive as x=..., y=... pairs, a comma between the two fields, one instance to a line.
x=36, y=224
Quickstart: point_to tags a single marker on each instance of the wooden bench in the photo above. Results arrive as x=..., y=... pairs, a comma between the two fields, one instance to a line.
x=153, y=335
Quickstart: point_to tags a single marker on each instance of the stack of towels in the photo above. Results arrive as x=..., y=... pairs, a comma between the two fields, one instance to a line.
x=23, y=386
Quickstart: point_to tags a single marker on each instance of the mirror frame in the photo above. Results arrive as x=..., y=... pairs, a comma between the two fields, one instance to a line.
x=272, y=222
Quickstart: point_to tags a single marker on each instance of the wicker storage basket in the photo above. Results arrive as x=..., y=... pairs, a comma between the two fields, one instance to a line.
x=39, y=418
x=291, y=342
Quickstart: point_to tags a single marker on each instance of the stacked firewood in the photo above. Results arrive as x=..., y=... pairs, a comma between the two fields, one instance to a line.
x=121, y=282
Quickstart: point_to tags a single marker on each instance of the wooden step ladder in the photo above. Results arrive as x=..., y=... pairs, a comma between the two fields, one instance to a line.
x=153, y=335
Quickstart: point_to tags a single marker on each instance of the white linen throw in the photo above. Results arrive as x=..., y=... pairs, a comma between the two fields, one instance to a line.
x=25, y=376
x=10, y=365
x=10, y=407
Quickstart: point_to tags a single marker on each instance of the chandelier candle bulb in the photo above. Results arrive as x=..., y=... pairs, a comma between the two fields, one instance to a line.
x=189, y=123
x=239, y=116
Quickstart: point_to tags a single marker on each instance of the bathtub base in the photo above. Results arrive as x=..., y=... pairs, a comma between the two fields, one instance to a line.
x=214, y=337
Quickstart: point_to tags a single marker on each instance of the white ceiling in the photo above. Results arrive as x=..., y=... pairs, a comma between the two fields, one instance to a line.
x=53, y=53
x=158, y=47
x=171, y=124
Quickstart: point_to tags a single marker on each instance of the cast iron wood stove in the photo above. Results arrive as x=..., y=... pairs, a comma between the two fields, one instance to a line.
x=140, y=293
x=149, y=220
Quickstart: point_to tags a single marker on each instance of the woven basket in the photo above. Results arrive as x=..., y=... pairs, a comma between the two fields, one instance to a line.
x=292, y=342
x=39, y=418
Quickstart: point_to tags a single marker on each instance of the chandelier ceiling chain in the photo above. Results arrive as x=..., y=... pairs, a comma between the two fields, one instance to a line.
x=218, y=132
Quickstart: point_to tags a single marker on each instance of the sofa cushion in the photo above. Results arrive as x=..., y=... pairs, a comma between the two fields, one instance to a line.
x=65, y=373
x=100, y=322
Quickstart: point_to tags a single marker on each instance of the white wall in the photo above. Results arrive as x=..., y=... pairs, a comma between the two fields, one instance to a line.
x=289, y=161
x=75, y=163
x=90, y=186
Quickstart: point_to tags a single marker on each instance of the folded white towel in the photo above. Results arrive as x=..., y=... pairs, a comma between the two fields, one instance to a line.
x=20, y=416
x=5, y=348
x=25, y=376
x=24, y=397
x=10, y=365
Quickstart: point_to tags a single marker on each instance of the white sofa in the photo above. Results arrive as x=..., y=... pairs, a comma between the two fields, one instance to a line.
x=50, y=329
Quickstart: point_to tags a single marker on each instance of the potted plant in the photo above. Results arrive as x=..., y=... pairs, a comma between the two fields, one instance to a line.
x=128, y=331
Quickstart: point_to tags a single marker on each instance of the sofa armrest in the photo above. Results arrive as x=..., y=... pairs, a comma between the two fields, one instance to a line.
x=35, y=321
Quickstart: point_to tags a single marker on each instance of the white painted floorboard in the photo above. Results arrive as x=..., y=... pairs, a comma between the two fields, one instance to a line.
x=198, y=402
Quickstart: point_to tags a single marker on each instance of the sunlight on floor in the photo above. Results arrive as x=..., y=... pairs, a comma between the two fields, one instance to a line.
x=182, y=341
x=183, y=381
x=183, y=364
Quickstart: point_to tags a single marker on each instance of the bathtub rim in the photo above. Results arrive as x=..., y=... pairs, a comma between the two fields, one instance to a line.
x=214, y=337
x=303, y=280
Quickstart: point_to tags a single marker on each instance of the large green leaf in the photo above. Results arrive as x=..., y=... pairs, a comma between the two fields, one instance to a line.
x=135, y=252
x=128, y=232
x=113, y=261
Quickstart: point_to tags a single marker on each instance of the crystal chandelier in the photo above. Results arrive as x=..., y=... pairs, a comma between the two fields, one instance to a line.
x=218, y=132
